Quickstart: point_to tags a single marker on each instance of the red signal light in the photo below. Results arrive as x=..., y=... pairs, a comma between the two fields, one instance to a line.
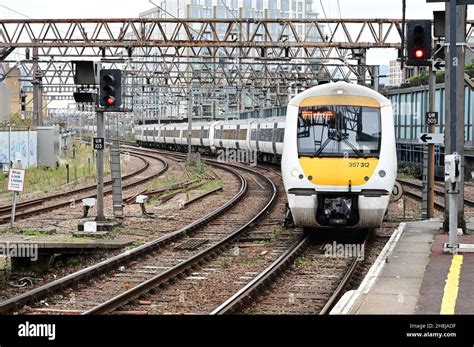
x=419, y=53
x=110, y=100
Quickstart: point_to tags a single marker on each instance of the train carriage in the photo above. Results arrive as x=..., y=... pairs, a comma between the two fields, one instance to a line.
x=148, y=134
x=171, y=135
x=231, y=135
x=266, y=137
x=200, y=135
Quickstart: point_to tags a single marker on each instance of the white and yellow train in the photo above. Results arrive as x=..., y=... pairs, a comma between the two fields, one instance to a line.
x=339, y=160
x=336, y=146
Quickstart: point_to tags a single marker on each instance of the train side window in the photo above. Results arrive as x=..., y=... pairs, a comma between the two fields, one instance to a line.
x=253, y=135
x=267, y=135
x=280, y=135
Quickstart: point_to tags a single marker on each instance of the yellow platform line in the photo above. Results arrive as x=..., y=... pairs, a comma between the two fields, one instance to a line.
x=451, y=288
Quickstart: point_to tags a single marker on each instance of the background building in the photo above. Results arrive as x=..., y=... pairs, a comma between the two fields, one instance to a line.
x=10, y=94
x=152, y=103
x=398, y=76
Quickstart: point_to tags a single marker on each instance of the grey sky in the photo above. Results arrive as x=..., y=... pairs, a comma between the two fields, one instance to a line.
x=131, y=8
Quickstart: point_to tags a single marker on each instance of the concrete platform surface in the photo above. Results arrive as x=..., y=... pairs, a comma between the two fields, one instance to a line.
x=397, y=288
x=414, y=276
x=52, y=243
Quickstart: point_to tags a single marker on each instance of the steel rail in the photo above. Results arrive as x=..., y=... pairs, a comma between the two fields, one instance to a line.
x=254, y=285
x=7, y=208
x=26, y=214
x=208, y=253
x=339, y=291
x=438, y=192
x=12, y=304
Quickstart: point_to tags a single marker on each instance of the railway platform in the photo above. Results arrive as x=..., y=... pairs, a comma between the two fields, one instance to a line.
x=412, y=275
x=52, y=245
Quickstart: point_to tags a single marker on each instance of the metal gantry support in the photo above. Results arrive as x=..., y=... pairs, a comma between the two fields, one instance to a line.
x=37, y=90
x=267, y=51
x=277, y=37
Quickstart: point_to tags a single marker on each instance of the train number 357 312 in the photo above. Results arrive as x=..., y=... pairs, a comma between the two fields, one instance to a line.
x=360, y=165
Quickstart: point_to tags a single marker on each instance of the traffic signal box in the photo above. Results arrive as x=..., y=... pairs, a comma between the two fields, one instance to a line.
x=419, y=43
x=110, y=88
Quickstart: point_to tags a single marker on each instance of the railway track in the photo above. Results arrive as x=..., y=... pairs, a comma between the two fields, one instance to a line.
x=109, y=286
x=302, y=280
x=325, y=300
x=204, y=288
x=438, y=192
x=42, y=205
x=124, y=277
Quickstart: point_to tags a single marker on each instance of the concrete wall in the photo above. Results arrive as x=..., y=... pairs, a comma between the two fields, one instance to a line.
x=4, y=101
x=18, y=145
x=48, y=146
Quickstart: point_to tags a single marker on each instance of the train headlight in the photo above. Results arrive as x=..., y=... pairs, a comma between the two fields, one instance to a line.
x=382, y=173
x=295, y=173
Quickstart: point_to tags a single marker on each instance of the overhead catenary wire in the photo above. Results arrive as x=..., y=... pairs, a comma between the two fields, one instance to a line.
x=339, y=8
x=15, y=11
x=326, y=17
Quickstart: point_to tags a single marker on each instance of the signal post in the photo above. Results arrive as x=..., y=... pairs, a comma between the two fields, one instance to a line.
x=419, y=53
x=110, y=100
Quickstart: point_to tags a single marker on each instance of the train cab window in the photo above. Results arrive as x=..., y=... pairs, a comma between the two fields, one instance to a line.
x=339, y=131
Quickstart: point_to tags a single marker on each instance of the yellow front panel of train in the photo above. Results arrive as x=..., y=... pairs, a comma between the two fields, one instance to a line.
x=338, y=171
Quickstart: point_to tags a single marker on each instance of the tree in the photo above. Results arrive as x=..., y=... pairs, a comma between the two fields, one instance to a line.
x=15, y=120
x=422, y=79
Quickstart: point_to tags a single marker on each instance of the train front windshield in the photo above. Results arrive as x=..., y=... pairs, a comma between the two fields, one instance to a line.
x=339, y=131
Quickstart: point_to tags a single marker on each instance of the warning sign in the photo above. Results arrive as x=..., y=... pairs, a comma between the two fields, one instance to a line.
x=16, y=180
